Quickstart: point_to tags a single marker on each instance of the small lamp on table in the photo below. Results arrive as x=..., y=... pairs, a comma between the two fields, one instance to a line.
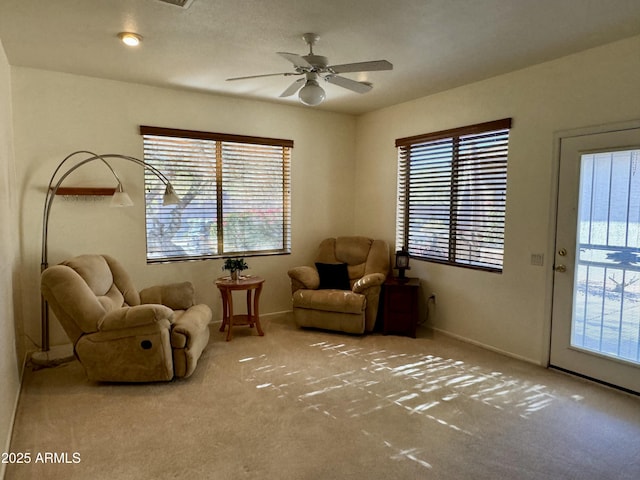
x=402, y=263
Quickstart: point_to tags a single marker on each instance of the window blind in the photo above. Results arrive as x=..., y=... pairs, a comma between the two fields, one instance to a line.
x=452, y=195
x=234, y=190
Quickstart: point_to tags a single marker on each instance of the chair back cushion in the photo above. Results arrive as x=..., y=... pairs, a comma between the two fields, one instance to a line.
x=82, y=290
x=74, y=304
x=106, y=277
x=361, y=254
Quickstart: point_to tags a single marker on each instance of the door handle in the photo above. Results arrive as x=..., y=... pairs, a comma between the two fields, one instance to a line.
x=561, y=268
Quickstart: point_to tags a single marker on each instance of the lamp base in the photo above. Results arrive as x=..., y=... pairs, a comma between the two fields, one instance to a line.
x=56, y=355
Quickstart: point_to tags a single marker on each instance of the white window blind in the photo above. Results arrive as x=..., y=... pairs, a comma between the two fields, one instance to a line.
x=452, y=195
x=234, y=191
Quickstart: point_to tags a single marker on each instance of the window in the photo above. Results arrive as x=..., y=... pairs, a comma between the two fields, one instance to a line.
x=234, y=190
x=451, y=195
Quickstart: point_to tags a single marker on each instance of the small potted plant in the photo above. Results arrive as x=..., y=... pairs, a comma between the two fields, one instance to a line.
x=234, y=265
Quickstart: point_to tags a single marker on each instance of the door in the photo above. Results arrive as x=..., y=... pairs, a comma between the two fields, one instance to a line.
x=595, y=329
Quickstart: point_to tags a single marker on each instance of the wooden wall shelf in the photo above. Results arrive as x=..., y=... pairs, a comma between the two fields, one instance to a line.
x=86, y=191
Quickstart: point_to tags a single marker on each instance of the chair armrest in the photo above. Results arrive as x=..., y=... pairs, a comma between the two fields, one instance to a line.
x=304, y=277
x=187, y=328
x=177, y=296
x=368, y=281
x=130, y=317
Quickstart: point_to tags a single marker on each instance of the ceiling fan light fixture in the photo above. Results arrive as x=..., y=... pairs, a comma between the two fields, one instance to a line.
x=311, y=94
x=314, y=66
x=130, y=39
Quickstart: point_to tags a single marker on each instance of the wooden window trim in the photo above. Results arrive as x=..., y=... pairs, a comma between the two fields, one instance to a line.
x=224, y=137
x=456, y=132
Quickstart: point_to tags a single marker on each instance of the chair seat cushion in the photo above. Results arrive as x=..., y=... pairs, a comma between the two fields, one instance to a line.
x=344, y=301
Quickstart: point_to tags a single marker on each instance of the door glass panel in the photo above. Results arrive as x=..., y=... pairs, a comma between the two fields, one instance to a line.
x=606, y=304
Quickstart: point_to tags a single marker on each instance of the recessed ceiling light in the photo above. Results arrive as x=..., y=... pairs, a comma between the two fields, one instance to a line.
x=130, y=39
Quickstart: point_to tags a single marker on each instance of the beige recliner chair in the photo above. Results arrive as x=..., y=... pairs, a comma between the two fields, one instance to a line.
x=120, y=334
x=341, y=292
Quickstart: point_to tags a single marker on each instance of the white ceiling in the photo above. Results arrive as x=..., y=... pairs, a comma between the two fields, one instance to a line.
x=434, y=45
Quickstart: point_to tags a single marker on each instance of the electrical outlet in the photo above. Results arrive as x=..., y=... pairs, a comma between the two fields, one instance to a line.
x=432, y=297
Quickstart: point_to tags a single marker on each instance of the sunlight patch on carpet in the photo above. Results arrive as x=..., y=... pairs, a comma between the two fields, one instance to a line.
x=430, y=381
x=377, y=384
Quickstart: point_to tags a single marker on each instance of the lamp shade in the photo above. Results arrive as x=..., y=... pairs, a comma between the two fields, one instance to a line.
x=121, y=198
x=402, y=258
x=402, y=262
x=311, y=94
x=170, y=196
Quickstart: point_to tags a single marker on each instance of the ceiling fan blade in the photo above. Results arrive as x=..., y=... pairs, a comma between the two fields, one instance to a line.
x=293, y=88
x=358, y=87
x=372, y=66
x=260, y=76
x=296, y=59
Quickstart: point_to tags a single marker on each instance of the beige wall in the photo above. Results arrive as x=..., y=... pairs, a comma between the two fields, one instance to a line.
x=338, y=161
x=508, y=312
x=10, y=320
x=56, y=114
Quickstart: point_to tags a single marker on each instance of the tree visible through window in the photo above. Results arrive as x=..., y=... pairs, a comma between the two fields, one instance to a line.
x=234, y=190
x=452, y=195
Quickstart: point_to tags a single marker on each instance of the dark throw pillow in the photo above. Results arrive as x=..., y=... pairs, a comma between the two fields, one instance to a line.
x=333, y=275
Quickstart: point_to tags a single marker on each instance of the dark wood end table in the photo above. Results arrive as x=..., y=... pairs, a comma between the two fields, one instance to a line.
x=400, y=298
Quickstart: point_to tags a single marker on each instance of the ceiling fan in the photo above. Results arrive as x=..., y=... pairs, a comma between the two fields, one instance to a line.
x=315, y=67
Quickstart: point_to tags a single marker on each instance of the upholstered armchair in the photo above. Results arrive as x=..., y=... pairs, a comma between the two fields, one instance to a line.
x=120, y=334
x=342, y=290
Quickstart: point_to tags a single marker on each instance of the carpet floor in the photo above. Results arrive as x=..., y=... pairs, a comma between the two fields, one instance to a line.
x=306, y=404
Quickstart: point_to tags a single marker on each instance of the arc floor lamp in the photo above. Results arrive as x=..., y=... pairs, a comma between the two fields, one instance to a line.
x=119, y=199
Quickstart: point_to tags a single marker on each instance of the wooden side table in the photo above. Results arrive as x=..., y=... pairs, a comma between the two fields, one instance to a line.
x=400, y=298
x=227, y=287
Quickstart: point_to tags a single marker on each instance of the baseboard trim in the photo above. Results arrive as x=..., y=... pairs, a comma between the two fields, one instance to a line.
x=273, y=314
x=589, y=379
x=485, y=346
x=12, y=423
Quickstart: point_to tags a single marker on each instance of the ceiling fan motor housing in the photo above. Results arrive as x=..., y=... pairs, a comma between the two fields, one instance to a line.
x=317, y=61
